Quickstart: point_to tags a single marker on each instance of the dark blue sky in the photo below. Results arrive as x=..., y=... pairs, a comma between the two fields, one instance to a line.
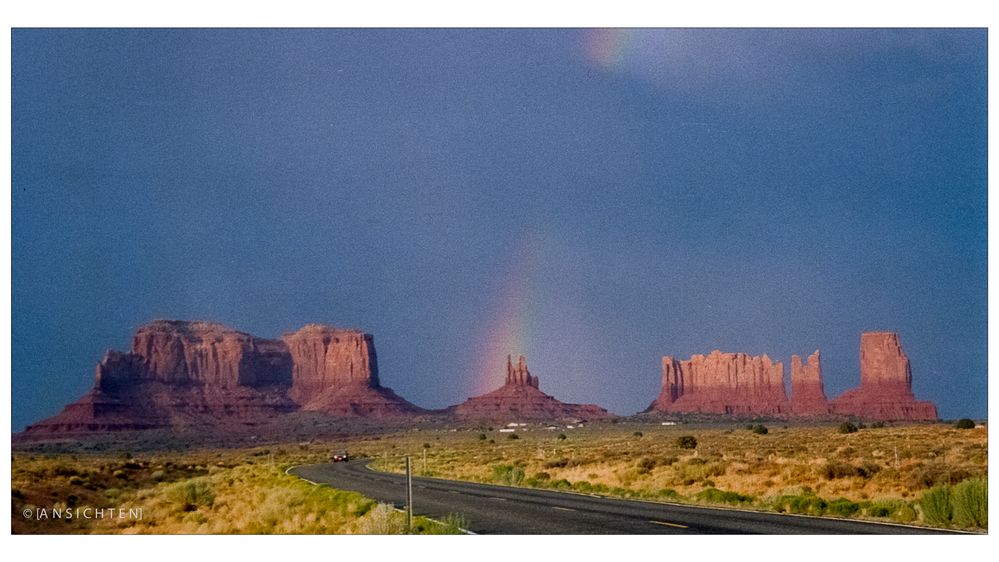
x=595, y=199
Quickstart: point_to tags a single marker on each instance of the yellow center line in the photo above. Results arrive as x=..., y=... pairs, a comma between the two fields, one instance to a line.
x=562, y=508
x=668, y=524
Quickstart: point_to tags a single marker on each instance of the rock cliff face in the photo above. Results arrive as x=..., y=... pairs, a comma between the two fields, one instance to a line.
x=722, y=383
x=188, y=373
x=201, y=353
x=335, y=371
x=519, y=375
x=737, y=384
x=195, y=373
x=885, y=391
x=322, y=357
x=808, y=396
x=520, y=399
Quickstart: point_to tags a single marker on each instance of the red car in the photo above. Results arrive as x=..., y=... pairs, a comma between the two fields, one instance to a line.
x=340, y=457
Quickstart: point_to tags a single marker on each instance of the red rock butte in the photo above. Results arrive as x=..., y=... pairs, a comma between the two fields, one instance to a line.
x=520, y=399
x=885, y=391
x=722, y=383
x=335, y=371
x=181, y=373
x=808, y=396
x=742, y=385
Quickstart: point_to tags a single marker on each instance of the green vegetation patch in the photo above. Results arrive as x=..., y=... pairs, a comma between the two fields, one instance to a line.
x=804, y=504
x=937, y=509
x=686, y=442
x=714, y=495
x=970, y=501
x=847, y=427
x=965, y=423
x=508, y=475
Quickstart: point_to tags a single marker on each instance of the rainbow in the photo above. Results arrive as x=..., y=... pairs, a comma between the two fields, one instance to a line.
x=608, y=48
x=508, y=328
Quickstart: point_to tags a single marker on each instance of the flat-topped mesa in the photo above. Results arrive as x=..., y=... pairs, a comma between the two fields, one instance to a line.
x=181, y=373
x=808, y=396
x=722, y=383
x=192, y=373
x=520, y=399
x=323, y=357
x=885, y=391
x=174, y=351
x=335, y=371
x=519, y=375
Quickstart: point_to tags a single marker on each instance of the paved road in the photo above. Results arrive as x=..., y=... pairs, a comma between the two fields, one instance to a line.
x=505, y=510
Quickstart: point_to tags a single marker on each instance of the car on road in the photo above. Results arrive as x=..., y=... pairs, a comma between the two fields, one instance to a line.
x=341, y=456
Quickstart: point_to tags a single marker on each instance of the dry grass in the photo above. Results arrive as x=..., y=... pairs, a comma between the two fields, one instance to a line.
x=244, y=492
x=877, y=473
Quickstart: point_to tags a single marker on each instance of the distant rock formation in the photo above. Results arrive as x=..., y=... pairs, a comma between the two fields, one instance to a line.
x=808, y=397
x=181, y=373
x=885, y=391
x=322, y=357
x=197, y=353
x=736, y=384
x=741, y=385
x=520, y=399
x=519, y=375
x=335, y=371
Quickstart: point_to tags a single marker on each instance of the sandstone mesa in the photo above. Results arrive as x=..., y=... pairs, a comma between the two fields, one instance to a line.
x=722, y=383
x=741, y=385
x=181, y=374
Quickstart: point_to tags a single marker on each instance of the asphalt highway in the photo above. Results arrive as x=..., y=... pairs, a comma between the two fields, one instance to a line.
x=493, y=509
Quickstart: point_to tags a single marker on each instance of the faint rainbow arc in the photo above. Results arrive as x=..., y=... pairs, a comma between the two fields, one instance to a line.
x=608, y=47
x=509, y=328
